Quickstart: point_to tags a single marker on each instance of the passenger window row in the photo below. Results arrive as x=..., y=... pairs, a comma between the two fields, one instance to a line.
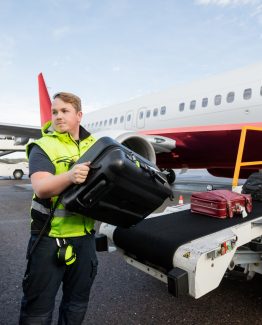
x=155, y=112
x=111, y=121
x=247, y=94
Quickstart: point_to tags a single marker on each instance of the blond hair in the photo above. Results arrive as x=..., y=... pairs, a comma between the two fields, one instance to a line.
x=70, y=98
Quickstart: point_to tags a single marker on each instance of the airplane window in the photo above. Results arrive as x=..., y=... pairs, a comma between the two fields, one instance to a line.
x=217, y=99
x=121, y=119
x=192, y=104
x=105, y=122
x=110, y=121
x=181, y=107
x=247, y=93
x=148, y=113
x=141, y=114
x=204, y=102
x=92, y=125
x=155, y=111
x=101, y=123
x=128, y=117
x=230, y=97
x=96, y=123
x=261, y=91
x=115, y=120
x=163, y=110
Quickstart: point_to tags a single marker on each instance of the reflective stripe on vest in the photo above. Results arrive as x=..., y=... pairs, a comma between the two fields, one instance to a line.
x=62, y=213
x=40, y=208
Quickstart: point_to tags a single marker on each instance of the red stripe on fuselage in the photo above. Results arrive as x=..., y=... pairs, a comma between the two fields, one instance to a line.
x=213, y=146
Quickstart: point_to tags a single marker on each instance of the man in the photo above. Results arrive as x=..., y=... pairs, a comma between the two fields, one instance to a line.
x=50, y=159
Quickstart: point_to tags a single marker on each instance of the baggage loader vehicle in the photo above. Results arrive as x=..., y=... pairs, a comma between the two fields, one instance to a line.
x=191, y=252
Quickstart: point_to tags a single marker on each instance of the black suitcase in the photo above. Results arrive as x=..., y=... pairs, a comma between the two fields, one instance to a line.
x=253, y=186
x=122, y=188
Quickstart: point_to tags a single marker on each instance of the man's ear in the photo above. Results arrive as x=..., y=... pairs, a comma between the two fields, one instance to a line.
x=79, y=115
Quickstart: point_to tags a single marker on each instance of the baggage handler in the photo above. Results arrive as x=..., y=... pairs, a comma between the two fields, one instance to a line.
x=66, y=251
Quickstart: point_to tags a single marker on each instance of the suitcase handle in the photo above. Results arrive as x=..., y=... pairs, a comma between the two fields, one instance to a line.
x=95, y=167
x=158, y=177
x=154, y=173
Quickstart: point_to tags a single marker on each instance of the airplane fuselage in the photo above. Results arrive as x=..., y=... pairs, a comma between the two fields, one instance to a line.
x=205, y=118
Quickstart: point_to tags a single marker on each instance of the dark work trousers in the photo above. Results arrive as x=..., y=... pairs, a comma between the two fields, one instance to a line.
x=44, y=276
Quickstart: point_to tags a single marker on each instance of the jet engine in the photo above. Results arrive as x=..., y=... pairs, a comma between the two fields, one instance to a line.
x=19, y=141
x=138, y=144
x=145, y=145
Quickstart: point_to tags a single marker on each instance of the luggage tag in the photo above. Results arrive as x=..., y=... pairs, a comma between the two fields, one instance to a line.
x=239, y=209
x=243, y=211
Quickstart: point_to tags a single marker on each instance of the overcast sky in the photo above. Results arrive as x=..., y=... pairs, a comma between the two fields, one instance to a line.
x=108, y=51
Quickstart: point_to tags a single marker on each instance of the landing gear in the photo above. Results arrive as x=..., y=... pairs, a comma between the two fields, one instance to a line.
x=170, y=175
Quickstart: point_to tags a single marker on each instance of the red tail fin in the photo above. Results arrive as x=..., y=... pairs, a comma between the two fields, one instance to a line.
x=45, y=102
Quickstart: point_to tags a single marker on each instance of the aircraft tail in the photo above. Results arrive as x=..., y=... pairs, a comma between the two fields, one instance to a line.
x=45, y=102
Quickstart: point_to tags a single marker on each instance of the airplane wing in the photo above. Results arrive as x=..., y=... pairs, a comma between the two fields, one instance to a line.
x=24, y=131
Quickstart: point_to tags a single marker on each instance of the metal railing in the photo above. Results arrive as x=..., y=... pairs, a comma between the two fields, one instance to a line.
x=239, y=162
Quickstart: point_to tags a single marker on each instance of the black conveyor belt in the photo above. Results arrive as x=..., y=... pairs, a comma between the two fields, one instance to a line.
x=155, y=240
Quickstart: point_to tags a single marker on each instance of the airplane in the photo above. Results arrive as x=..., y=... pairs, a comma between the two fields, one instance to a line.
x=197, y=125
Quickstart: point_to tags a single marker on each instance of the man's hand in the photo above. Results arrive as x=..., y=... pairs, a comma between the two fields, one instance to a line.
x=79, y=173
x=46, y=185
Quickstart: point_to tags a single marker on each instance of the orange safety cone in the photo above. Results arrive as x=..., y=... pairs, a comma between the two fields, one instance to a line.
x=181, y=200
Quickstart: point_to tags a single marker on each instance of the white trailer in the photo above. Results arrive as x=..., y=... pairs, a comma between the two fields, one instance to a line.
x=193, y=257
x=16, y=170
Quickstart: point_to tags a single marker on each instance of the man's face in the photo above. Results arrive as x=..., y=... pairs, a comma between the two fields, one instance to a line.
x=64, y=117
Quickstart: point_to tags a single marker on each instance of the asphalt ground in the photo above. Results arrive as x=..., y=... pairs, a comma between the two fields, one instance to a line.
x=121, y=294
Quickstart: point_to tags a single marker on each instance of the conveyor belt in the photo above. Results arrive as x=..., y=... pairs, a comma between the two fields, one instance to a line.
x=155, y=240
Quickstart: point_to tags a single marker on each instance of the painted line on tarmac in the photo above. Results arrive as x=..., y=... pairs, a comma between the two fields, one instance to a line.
x=27, y=187
x=4, y=222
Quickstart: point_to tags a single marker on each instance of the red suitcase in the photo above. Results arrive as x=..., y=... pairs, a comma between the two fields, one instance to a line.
x=221, y=203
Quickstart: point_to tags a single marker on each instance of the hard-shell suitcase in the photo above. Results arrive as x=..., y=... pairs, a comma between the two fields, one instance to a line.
x=221, y=203
x=122, y=188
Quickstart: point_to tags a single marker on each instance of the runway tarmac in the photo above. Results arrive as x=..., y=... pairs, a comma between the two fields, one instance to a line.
x=122, y=295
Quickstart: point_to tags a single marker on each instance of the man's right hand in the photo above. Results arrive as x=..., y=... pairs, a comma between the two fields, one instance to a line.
x=79, y=172
x=47, y=185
